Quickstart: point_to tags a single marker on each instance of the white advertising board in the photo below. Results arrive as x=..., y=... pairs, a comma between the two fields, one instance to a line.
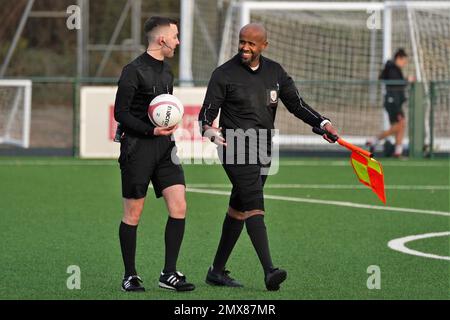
x=97, y=124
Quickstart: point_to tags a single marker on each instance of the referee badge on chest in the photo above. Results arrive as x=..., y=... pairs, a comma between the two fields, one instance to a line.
x=272, y=95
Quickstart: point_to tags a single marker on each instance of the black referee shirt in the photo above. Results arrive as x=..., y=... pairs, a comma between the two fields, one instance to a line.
x=248, y=99
x=141, y=80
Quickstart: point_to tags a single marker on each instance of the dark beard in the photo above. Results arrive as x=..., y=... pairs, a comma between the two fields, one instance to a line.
x=243, y=61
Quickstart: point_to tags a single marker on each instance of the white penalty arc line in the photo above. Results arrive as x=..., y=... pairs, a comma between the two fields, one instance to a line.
x=330, y=202
x=324, y=186
x=399, y=245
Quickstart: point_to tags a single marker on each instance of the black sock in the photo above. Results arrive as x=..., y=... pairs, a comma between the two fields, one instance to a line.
x=231, y=230
x=256, y=229
x=127, y=236
x=173, y=238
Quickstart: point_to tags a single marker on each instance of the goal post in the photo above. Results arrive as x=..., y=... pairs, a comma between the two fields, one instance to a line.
x=15, y=108
x=335, y=50
x=246, y=7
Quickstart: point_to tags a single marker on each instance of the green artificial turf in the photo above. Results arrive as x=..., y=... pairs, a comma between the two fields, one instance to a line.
x=61, y=212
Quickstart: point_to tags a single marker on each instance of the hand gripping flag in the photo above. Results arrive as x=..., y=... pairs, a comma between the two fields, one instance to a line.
x=368, y=170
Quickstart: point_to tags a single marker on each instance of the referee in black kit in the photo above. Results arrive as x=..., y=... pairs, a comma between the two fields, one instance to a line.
x=145, y=154
x=246, y=89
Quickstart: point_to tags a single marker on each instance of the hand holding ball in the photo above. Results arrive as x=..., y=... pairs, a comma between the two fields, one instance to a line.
x=165, y=110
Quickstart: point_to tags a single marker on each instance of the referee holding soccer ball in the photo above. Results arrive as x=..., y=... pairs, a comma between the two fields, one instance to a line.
x=246, y=89
x=145, y=154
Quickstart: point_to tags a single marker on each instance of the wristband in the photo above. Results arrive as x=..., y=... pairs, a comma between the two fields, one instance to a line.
x=324, y=123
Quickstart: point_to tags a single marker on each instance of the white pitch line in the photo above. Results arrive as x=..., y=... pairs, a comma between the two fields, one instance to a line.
x=346, y=163
x=110, y=162
x=59, y=163
x=399, y=245
x=324, y=186
x=331, y=202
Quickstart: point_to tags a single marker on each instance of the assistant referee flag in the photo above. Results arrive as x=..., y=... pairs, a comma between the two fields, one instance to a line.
x=370, y=173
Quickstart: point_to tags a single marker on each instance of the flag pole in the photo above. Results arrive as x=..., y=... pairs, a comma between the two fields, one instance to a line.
x=342, y=142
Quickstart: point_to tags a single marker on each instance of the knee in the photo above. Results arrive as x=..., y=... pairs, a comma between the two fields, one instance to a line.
x=244, y=215
x=235, y=214
x=252, y=213
x=178, y=211
x=132, y=215
x=131, y=220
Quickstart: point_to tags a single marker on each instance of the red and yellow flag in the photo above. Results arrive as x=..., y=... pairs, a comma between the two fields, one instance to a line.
x=367, y=169
x=369, y=172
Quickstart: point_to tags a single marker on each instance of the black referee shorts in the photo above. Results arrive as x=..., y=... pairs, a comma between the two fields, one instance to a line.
x=248, y=183
x=148, y=159
x=393, y=105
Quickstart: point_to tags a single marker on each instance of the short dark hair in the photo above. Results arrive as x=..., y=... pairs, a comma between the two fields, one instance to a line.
x=154, y=22
x=400, y=53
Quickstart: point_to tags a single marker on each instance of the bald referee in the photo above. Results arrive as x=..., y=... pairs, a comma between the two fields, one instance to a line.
x=146, y=155
x=247, y=89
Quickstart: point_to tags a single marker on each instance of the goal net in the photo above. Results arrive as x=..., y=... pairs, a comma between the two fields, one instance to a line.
x=335, y=52
x=15, y=110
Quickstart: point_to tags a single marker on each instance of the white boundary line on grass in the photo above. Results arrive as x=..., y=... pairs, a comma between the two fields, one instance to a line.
x=342, y=163
x=330, y=202
x=325, y=186
x=111, y=162
x=399, y=245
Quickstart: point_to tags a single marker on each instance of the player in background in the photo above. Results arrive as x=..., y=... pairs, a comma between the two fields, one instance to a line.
x=145, y=154
x=393, y=101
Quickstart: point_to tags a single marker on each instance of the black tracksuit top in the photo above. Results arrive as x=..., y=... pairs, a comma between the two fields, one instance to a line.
x=141, y=80
x=392, y=72
x=248, y=99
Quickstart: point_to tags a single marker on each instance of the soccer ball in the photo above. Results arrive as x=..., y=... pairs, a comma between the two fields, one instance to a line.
x=165, y=110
